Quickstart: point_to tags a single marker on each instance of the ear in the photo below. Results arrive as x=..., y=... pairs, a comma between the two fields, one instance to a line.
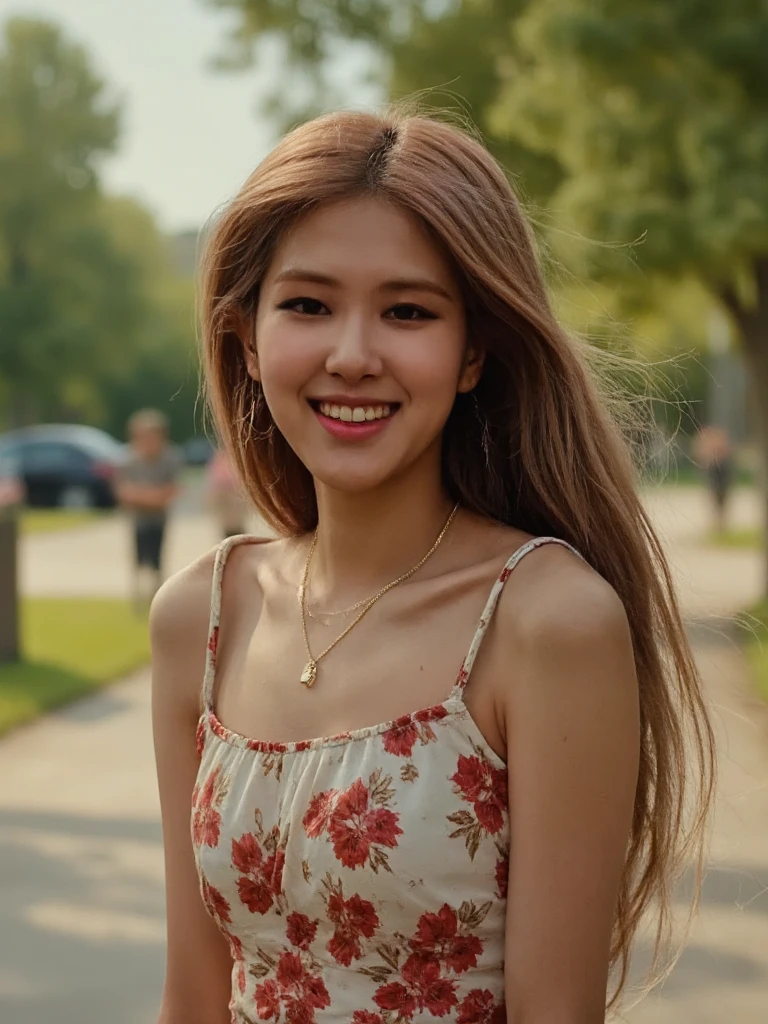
x=471, y=369
x=244, y=328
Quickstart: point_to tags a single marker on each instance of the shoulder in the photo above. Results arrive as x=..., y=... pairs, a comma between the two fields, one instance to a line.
x=556, y=596
x=566, y=631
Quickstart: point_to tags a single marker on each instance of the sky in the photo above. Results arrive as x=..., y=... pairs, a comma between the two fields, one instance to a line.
x=190, y=135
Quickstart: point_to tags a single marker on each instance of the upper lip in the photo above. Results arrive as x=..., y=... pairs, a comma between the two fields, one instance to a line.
x=353, y=401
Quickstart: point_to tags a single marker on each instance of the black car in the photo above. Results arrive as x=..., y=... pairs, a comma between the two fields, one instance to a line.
x=65, y=465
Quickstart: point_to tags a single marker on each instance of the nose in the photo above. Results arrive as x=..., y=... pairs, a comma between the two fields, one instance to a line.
x=354, y=354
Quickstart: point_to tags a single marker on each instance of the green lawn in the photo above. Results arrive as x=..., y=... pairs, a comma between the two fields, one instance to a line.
x=744, y=537
x=756, y=621
x=45, y=520
x=70, y=646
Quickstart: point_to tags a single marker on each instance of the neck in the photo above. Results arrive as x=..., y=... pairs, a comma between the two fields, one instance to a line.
x=366, y=540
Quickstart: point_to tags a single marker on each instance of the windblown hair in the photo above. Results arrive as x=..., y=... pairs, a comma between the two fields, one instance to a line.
x=536, y=445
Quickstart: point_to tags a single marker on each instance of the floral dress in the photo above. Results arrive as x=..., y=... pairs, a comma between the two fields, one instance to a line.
x=359, y=878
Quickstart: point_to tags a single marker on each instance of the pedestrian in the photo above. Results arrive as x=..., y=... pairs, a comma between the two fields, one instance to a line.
x=224, y=496
x=463, y=634
x=714, y=453
x=146, y=486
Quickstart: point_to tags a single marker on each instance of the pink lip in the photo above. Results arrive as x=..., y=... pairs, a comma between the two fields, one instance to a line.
x=346, y=431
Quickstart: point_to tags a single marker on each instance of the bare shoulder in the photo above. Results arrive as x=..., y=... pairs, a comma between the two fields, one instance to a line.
x=566, y=631
x=556, y=597
x=180, y=617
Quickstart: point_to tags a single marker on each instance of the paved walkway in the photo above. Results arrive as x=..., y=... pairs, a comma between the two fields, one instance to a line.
x=81, y=918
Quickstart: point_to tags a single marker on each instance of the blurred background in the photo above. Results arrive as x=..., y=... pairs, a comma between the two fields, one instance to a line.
x=636, y=132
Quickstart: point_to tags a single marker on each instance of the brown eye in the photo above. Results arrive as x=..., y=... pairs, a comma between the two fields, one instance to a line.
x=305, y=306
x=407, y=312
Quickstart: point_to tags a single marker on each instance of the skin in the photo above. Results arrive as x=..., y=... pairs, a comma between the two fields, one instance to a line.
x=566, y=718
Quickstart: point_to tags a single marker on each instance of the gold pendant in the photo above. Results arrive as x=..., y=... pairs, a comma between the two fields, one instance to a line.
x=309, y=675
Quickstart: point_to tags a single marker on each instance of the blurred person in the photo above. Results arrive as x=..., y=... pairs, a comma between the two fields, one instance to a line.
x=714, y=453
x=146, y=487
x=224, y=496
x=465, y=630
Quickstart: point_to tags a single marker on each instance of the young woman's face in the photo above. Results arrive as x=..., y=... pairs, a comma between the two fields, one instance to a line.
x=360, y=343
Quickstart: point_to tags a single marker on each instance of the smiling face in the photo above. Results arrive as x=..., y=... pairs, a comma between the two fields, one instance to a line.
x=360, y=343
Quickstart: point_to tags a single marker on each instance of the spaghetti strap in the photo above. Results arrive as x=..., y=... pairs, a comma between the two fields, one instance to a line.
x=493, y=600
x=219, y=562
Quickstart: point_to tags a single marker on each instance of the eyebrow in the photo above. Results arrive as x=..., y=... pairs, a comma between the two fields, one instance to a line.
x=400, y=284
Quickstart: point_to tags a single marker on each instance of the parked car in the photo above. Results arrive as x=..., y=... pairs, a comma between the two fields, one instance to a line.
x=65, y=464
x=12, y=490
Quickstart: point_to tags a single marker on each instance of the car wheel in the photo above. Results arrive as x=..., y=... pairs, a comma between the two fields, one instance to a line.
x=75, y=496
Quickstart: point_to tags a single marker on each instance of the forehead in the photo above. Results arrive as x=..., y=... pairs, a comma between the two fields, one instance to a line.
x=365, y=237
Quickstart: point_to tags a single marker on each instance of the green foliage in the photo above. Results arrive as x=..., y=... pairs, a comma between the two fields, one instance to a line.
x=92, y=321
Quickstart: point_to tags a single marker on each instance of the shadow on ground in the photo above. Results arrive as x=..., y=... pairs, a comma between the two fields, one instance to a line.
x=82, y=932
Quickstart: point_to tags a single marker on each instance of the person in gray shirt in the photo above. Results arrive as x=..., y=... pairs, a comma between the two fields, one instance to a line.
x=146, y=486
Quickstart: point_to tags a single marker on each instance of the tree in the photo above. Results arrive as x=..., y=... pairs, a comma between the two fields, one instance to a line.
x=55, y=123
x=655, y=113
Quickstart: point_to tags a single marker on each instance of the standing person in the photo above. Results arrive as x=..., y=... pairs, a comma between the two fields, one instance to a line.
x=713, y=452
x=441, y=769
x=224, y=495
x=146, y=487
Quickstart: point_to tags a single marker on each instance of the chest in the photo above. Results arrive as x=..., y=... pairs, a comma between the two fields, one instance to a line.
x=398, y=658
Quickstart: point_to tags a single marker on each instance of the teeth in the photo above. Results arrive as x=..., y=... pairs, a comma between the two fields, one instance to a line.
x=355, y=414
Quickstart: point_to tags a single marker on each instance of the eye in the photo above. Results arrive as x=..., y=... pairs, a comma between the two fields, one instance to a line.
x=407, y=312
x=304, y=306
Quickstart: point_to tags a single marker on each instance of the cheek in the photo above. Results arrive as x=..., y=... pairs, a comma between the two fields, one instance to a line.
x=287, y=357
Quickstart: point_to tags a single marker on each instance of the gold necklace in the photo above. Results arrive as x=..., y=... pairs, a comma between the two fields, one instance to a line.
x=322, y=616
x=309, y=675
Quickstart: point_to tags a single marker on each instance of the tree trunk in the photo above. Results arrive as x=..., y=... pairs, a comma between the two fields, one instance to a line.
x=752, y=322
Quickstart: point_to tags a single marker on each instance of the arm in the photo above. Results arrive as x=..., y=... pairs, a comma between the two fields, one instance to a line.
x=572, y=729
x=197, y=980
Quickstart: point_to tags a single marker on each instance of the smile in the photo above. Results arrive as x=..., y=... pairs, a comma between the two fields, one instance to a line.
x=354, y=422
x=356, y=413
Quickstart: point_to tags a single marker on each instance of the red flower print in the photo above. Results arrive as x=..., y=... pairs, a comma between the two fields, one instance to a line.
x=301, y=931
x=506, y=572
x=217, y=905
x=486, y=788
x=364, y=1017
x=319, y=813
x=354, y=829
x=401, y=739
x=502, y=876
x=357, y=830
x=200, y=738
x=298, y=991
x=206, y=820
x=353, y=917
x=424, y=988
x=463, y=678
x=261, y=880
x=479, y=1007
x=213, y=641
x=438, y=940
x=268, y=1000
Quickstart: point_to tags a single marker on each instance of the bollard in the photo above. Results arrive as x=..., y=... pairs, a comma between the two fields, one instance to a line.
x=9, y=597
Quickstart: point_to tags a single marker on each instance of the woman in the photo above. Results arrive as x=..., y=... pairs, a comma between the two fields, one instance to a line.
x=464, y=632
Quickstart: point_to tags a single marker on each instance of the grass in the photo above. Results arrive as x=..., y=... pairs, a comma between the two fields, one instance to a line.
x=743, y=537
x=47, y=520
x=756, y=621
x=71, y=646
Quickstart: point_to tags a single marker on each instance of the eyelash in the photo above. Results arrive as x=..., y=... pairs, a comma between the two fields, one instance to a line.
x=424, y=314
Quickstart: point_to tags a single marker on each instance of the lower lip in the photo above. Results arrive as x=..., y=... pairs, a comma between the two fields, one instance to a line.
x=347, y=431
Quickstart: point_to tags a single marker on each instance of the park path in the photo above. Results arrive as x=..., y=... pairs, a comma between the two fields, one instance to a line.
x=81, y=914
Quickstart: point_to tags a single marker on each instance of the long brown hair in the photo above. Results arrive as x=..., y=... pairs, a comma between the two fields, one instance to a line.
x=534, y=446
